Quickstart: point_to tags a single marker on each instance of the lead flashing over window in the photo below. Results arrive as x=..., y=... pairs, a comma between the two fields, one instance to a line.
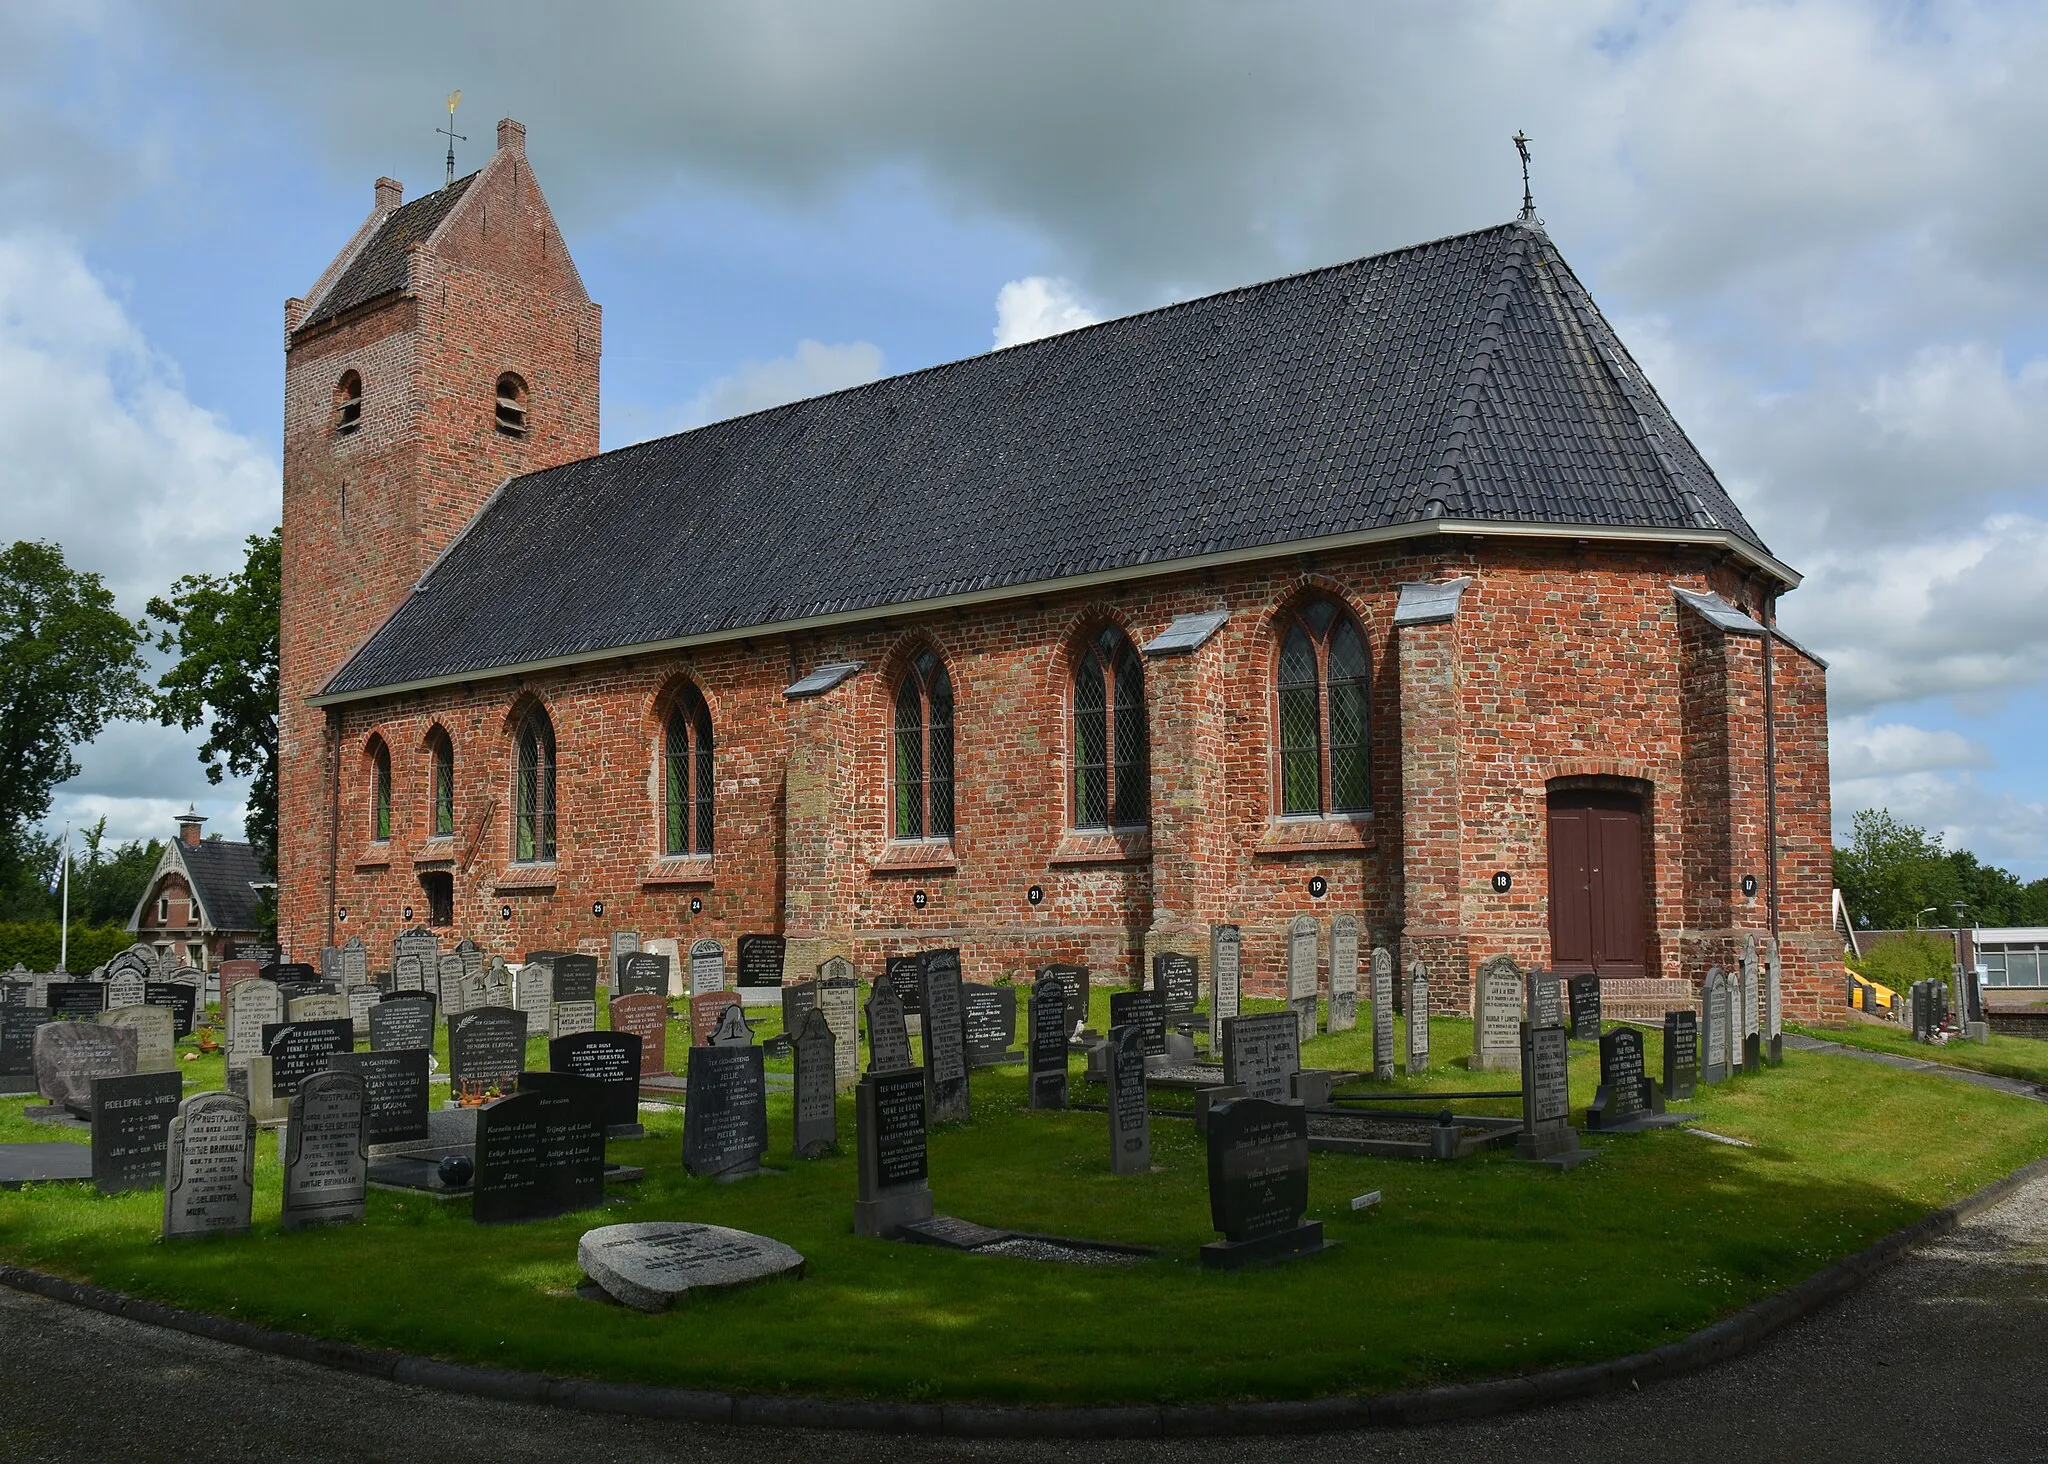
x=1187, y=634
x=822, y=680
x=1430, y=604
x=1717, y=612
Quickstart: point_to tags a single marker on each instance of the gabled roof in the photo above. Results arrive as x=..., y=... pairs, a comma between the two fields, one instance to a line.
x=382, y=266
x=1469, y=381
x=223, y=874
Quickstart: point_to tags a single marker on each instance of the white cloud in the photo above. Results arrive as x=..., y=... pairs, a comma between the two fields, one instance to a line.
x=1038, y=306
x=812, y=370
x=1995, y=826
x=1863, y=749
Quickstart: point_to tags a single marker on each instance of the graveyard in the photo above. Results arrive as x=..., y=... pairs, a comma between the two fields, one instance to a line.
x=1469, y=1269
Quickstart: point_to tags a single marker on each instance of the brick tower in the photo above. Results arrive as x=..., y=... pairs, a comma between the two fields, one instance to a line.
x=448, y=347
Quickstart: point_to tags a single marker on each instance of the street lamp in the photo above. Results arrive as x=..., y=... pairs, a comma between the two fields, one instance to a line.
x=1931, y=909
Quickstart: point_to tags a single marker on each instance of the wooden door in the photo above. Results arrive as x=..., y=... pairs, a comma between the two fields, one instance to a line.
x=1597, y=896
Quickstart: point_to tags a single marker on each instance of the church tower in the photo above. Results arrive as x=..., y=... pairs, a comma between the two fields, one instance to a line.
x=450, y=346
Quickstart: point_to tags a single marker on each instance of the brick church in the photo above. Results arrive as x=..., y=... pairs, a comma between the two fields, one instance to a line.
x=1389, y=588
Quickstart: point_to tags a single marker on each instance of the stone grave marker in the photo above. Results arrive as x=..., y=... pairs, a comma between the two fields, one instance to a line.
x=1130, y=1125
x=1717, y=1019
x=486, y=1049
x=672, y=951
x=1583, y=993
x=1178, y=980
x=400, y=1021
x=138, y=960
x=330, y=965
x=1751, y=1043
x=1547, y=1135
x=209, y=1167
x=1304, y=949
x=904, y=975
x=1546, y=1000
x=1226, y=977
x=567, y=1018
x=1681, y=1055
x=18, y=988
x=1625, y=1091
x=326, y=1153
x=798, y=997
x=945, y=1039
x=707, y=967
x=408, y=974
x=759, y=967
x=540, y=1151
x=1143, y=1010
x=572, y=995
x=355, y=962
x=707, y=1009
x=395, y=1092
x=156, y=1043
x=1074, y=982
x=888, y=1033
x=69, y=1055
x=725, y=1107
x=125, y=989
x=362, y=1000
x=1262, y=1053
x=612, y=1060
x=1774, y=1007
x=1418, y=1018
x=258, y=951
x=1047, y=1053
x=180, y=999
x=131, y=1126
x=76, y=1001
x=645, y=1015
x=839, y=1000
x=642, y=971
x=1258, y=1183
x=298, y=1050
x=533, y=993
x=1382, y=1018
x=452, y=973
x=320, y=1006
x=991, y=1023
x=816, y=1106
x=649, y=1264
x=474, y=962
x=623, y=943
x=18, y=1046
x=889, y=1123
x=1497, y=1025
x=1344, y=973
x=420, y=944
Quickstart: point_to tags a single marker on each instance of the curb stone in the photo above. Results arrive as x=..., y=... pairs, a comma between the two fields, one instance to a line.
x=1453, y=1403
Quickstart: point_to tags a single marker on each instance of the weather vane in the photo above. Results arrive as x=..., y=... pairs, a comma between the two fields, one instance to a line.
x=455, y=100
x=1528, y=200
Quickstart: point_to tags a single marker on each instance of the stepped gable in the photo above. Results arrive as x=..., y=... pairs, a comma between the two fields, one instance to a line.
x=1468, y=380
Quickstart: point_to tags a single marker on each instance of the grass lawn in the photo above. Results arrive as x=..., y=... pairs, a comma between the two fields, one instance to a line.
x=2025, y=1058
x=1476, y=1268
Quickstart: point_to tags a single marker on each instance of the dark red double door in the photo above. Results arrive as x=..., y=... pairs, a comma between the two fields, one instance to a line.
x=1598, y=907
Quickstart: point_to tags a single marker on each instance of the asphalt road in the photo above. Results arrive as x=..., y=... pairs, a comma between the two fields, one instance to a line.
x=1943, y=1357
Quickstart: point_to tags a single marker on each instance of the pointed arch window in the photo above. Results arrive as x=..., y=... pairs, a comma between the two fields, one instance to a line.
x=442, y=813
x=688, y=820
x=380, y=791
x=1111, y=776
x=1325, y=694
x=533, y=790
x=924, y=751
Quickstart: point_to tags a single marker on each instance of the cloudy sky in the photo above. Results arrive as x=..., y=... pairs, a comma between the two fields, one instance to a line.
x=1820, y=225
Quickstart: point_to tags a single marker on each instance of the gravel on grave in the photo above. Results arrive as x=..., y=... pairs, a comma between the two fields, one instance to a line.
x=1394, y=1130
x=1045, y=1250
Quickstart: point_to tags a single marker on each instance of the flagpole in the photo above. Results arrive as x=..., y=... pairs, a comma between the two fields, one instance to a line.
x=64, y=919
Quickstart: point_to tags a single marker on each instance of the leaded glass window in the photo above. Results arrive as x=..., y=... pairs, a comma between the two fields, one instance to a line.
x=533, y=791
x=380, y=791
x=1111, y=772
x=924, y=751
x=1324, y=683
x=687, y=823
x=444, y=786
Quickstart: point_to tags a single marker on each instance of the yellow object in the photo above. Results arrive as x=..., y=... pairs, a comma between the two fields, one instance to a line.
x=1866, y=995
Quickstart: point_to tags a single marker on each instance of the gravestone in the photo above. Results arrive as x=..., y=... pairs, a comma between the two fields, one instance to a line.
x=539, y=1152
x=18, y=1046
x=532, y=992
x=472, y=954
x=945, y=1039
x=395, y=1092
x=904, y=975
x=156, y=1044
x=888, y=1033
x=232, y=972
x=1774, y=1008
x=990, y=1014
x=642, y=971
x=125, y=989
x=760, y=964
x=1258, y=1183
x=612, y=1061
x=1418, y=1019
x=1583, y=992
x=670, y=950
x=816, y=1104
x=320, y=1006
x=1681, y=1055
x=1142, y=1010
x=725, y=1109
x=326, y=1153
x=623, y=943
x=707, y=967
x=76, y=1001
x=1751, y=1049
x=362, y=1000
x=645, y=1015
x=355, y=962
x=1547, y=1136
x=1130, y=1126
x=1178, y=980
x=419, y=943
x=1304, y=946
x=452, y=973
x=69, y=1055
x=330, y=965
x=408, y=973
x=572, y=995
x=707, y=1009
x=798, y=997
x=1546, y=999
x=1047, y=1048
x=1262, y=1053
x=261, y=952
x=567, y=1018
x=486, y=1050
x=1625, y=1091
x=1382, y=1018
x=648, y=1265
x=138, y=961
x=180, y=999
x=1717, y=1020
x=298, y=1050
x=402, y=1021
x=1497, y=1025
x=1074, y=982
x=889, y=1123
x=1344, y=973
x=131, y=1126
x=839, y=1000
x=209, y=1167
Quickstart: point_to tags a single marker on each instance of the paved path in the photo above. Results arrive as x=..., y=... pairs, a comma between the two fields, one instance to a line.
x=2018, y=1086
x=1940, y=1359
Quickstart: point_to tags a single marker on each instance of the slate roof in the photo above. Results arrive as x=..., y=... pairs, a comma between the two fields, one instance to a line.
x=222, y=871
x=1470, y=378
x=382, y=267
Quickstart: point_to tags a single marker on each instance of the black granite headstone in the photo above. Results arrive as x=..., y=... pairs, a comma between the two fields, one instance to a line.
x=1681, y=1055
x=18, y=1039
x=395, y=1092
x=486, y=1048
x=1130, y=1125
x=540, y=1152
x=725, y=1110
x=1583, y=994
x=797, y=998
x=947, y=1095
x=1143, y=1010
x=641, y=971
x=295, y=972
x=1048, y=1042
x=1625, y=1091
x=613, y=1060
x=1075, y=980
x=1258, y=1182
x=401, y=1022
x=297, y=1050
x=131, y=1125
x=181, y=997
x=76, y=1001
x=905, y=976
x=1177, y=979
x=574, y=978
x=899, y=1149
x=760, y=962
x=991, y=1015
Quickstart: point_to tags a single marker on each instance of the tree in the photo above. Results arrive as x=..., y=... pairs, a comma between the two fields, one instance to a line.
x=69, y=664
x=224, y=631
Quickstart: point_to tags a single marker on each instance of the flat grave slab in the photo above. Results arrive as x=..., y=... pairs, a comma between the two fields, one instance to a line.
x=652, y=1264
x=22, y=1164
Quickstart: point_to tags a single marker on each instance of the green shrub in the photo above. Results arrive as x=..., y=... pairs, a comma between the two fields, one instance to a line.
x=34, y=944
x=1900, y=960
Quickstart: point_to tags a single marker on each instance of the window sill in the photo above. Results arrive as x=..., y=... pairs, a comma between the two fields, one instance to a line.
x=377, y=856
x=920, y=856
x=1350, y=833
x=1103, y=846
x=525, y=878
x=683, y=869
